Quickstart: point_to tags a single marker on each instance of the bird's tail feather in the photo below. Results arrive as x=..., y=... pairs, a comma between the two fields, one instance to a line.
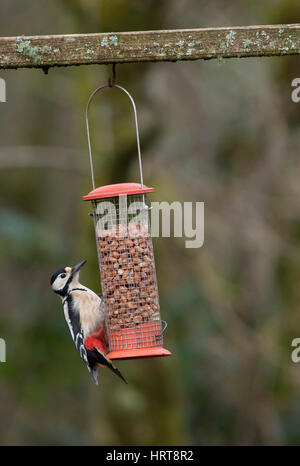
x=105, y=361
x=94, y=374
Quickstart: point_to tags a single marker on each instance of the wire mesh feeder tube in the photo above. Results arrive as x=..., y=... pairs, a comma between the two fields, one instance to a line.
x=127, y=269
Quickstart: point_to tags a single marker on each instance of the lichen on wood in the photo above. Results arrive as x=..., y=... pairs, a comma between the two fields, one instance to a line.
x=164, y=45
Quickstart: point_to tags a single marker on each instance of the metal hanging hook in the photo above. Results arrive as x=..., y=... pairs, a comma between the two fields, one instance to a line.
x=111, y=83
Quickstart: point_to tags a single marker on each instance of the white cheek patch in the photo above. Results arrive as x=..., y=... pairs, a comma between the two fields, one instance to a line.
x=56, y=285
x=59, y=283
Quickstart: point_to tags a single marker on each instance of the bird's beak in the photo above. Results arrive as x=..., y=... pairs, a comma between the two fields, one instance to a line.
x=77, y=267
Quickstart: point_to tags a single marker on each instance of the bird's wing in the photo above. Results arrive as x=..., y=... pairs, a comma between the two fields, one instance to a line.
x=82, y=320
x=90, y=309
x=73, y=321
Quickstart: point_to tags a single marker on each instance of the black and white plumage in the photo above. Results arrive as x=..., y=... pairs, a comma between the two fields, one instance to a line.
x=85, y=315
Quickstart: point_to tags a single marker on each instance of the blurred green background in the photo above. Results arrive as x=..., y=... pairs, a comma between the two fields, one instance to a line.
x=226, y=133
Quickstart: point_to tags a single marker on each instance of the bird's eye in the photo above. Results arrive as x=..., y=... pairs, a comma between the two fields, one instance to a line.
x=62, y=275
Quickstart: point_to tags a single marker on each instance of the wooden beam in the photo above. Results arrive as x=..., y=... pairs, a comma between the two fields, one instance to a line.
x=130, y=47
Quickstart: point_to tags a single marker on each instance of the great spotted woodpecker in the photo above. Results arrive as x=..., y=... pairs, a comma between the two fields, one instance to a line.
x=85, y=315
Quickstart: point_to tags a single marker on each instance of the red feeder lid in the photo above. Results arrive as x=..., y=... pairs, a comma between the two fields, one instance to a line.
x=114, y=190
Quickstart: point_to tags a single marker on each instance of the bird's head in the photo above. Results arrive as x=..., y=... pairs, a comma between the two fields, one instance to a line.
x=66, y=278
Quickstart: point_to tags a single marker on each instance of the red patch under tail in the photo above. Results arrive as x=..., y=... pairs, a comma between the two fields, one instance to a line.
x=97, y=340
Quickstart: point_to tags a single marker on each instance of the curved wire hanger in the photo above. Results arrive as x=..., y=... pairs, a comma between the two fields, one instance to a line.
x=111, y=83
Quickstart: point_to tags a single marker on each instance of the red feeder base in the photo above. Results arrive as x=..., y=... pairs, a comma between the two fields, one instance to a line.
x=142, y=341
x=139, y=353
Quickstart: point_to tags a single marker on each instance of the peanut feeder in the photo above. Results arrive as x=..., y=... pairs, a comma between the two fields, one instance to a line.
x=126, y=262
